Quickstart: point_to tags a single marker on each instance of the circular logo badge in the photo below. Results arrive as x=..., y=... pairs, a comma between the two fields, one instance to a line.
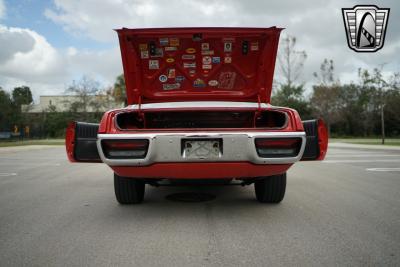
x=190, y=50
x=212, y=82
x=170, y=60
x=163, y=78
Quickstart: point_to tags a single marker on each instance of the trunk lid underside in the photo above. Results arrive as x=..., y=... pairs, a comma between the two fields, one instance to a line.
x=183, y=64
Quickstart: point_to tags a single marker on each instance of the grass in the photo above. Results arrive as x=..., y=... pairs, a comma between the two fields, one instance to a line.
x=32, y=142
x=367, y=141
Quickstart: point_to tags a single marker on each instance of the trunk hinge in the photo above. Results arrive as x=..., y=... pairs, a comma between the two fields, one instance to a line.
x=140, y=112
x=258, y=111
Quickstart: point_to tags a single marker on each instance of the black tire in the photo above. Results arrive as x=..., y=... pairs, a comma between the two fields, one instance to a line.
x=271, y=189
x=128, y=190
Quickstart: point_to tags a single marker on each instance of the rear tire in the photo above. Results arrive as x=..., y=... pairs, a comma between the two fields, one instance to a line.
x=271, y=189
x=128, y=190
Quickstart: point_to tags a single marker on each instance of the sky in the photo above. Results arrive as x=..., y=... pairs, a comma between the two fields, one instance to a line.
x=46, y=44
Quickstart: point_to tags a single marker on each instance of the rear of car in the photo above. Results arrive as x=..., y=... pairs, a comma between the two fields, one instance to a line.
x=199, y=110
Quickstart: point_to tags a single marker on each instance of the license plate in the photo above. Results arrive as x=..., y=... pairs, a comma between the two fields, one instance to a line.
x=202, y=148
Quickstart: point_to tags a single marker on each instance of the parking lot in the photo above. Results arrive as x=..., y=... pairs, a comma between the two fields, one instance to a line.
x=343, y=211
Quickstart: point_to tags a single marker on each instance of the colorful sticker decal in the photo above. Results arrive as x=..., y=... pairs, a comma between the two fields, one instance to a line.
x=205, y=73
x=228, y=60
x=227, y=47
x=171, y=73
x=228, y=40
x=197, y=37
x=254, y=46
x=163, y=41
x=170, y=60
x=187, y=65
x=199, y=83
x=207, y=60
x=144, y=54
x=207, y=52
x=212, y=82
x=186, y=57
x=153, y=64
x=192, y=72
x=179, y=79
x=142, y=47
x=190, y=50
x=158, y=53
x=163, y=78
x=170, y=48
x=171, y=86
x=216, y=60
x=174, y=41
x=207, y=66
x=227, y=80
x=205, y=46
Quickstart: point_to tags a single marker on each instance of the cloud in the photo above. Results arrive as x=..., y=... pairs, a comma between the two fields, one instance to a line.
x=2, y=9
x=27, y=58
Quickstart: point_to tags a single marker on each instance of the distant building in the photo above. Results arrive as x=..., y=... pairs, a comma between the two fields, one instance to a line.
x=62, y=103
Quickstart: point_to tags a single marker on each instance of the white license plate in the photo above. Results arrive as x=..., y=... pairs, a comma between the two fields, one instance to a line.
x=202, y=149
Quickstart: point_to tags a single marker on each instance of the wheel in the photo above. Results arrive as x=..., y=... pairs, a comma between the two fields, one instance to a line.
x=128, y=190
x=271, y=189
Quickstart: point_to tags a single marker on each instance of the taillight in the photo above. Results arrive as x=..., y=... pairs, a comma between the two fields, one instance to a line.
x=277, y=147
x=125, y=149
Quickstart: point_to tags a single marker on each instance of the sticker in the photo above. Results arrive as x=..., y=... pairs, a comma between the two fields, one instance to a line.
x=144, y=54
x=171, y=86
x=170, y=60
x=179, y=79
x=174, y=41
x=192, y=72
x=171, y=48
x=207, y=52
x=158, y=52
x=228, y=40
x=227, y=80
x=212, y=82
x=216, y=60
x=197, y=37
x=227, y=47
x=205, y=46
x=188, y=57
x=207, y=60
x=187, y=65
x=163, y=41
x=228, y=60
x=198, y=83
x=205, y=73
x=190, y=50
x=171, y=73
x=142, y=47
x=163, y=78
x=254, y=46
x=153, y=64
x=207, y=66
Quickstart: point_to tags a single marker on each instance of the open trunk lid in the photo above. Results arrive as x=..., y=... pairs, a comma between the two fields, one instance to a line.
x=202, y=64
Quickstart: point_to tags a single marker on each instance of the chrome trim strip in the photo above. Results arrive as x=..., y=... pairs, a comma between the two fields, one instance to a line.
x=199, y=104
x=166, y=147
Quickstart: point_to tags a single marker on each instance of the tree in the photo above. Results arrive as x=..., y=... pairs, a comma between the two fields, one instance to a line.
x=22, y=96
x=84, y=89
x=119, y=91
x=325, y=98
x=291, y=61
x=6, y=110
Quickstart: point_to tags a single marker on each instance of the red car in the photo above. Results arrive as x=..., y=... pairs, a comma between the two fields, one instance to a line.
x=198, y=110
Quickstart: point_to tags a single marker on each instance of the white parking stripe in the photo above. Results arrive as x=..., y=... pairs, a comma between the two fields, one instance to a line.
x=383, y=169
x=5, y=174
x=360, y=160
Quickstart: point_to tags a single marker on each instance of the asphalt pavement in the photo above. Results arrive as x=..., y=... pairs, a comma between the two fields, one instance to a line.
x=344, y=211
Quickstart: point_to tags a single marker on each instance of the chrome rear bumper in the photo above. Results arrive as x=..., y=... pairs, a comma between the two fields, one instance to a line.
x=166, y=147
